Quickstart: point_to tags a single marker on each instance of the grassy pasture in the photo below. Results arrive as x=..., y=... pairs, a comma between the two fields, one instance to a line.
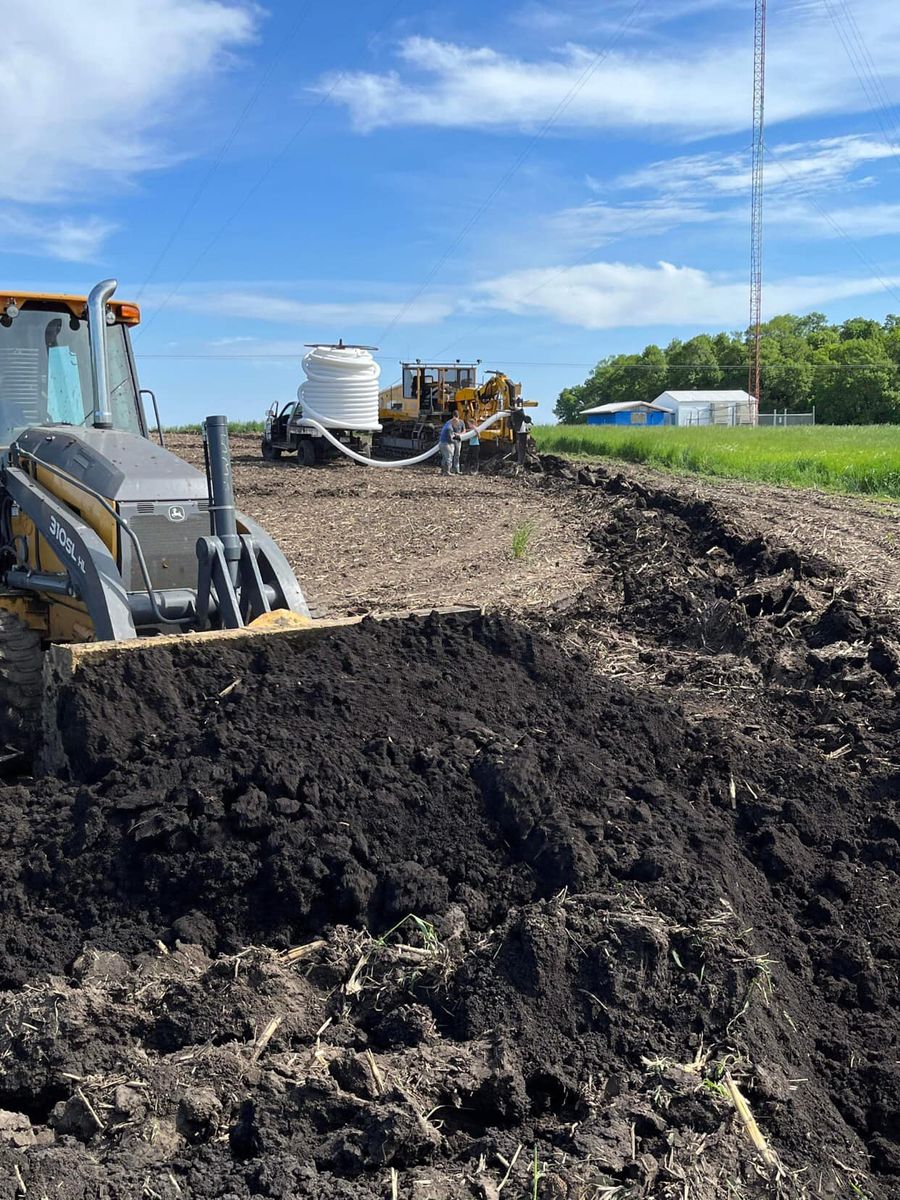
x=857, y=459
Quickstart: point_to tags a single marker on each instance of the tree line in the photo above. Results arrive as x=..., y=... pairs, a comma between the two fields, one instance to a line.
x=850, y=373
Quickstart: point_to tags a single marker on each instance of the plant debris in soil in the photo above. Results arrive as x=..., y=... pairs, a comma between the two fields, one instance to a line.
x=374, y=541
x=532, y=931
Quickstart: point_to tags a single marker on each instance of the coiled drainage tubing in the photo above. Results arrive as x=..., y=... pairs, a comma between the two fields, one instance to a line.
x=341, y=387
x=312, y=421
x=341, y=392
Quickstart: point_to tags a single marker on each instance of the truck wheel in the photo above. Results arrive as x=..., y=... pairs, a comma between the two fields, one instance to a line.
x=306, y=453
x=20, y=682
x=270, y=452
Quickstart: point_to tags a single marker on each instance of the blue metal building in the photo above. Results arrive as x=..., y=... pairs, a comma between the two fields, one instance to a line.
x=628, y=413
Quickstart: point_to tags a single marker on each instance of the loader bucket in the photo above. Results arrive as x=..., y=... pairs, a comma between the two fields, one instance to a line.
x=78, y=668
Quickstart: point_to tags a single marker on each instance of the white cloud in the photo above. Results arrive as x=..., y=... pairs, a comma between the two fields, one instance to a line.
x=87, y=87
x=88, y=91
x=598, y=223
x=610, y=295
x=340, y=317
x=854, y=221
x=695, y=88
x=699, y=189
x=586, y=15
x=809, y=165
x=63, y=238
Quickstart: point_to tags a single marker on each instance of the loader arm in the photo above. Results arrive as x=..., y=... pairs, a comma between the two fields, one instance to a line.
x=203, y=567
x=91, y=574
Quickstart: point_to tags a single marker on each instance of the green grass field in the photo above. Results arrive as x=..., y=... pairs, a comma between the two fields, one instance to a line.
x=233, y=427
x=860, y=459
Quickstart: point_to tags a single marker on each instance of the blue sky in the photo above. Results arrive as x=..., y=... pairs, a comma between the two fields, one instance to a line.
x=533, y=184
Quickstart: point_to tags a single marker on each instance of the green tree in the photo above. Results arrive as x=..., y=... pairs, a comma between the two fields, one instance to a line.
x=787, y=384
x=654, y=373
x=693, y=364
x=570, y=403
x=860, y=329
x=813, y=322
x=731, y=352
x=857, y=385
x=850, y=372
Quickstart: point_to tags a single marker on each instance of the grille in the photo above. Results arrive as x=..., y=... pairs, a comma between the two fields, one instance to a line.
x=168, y=546
x=20, y=370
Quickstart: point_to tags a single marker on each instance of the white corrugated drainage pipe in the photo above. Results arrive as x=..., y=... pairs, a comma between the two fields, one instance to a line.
x=341, y=387
x=311, y=420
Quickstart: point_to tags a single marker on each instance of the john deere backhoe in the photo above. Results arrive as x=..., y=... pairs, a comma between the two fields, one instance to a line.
x=107, y=539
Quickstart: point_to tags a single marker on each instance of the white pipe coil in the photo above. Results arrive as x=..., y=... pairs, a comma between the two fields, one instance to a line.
x=395, y=462
x=341, y=388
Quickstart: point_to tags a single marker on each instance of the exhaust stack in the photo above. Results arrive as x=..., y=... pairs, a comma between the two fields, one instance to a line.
x=97, y=333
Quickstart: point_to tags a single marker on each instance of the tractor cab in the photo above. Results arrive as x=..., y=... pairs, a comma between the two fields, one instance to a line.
x=426, y=390
x=46, y=370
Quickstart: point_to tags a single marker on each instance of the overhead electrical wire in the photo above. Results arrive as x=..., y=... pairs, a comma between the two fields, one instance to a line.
x=548, y=124
x=644, y=218
x=269, y=168
x=518, y=362
x=829, y=219
x=877, y=96
x=224, y=148
x=865, y=69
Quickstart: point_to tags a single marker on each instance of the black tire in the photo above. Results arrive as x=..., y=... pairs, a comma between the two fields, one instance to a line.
x=306, y=453
x=269, y=452
x=21, y=682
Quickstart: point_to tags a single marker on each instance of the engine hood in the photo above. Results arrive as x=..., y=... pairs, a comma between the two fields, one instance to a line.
x=120, y=466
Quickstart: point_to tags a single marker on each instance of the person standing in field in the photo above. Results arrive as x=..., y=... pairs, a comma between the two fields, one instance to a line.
x=450, y=442
x=473, y=454
x=520, y=423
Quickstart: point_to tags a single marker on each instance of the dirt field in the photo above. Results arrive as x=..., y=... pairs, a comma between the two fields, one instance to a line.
x=363, y=541
x=552, y=902
x=377, y=540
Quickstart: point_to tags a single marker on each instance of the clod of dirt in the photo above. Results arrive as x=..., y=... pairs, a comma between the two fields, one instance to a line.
x=530, y=925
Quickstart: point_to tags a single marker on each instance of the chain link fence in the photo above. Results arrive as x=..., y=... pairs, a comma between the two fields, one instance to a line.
x=787, y=418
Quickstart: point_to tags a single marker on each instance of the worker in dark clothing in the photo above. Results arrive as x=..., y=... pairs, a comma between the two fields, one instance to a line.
x=520, y=423
x=450, y=442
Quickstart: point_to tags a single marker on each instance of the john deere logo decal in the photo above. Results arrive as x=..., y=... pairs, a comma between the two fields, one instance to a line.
x=176, y=512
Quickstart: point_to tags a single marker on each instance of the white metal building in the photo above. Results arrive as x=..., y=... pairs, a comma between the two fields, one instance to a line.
x=706, y=407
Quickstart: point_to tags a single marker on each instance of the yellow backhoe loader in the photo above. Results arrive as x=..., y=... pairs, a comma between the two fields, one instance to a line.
x=108, y=541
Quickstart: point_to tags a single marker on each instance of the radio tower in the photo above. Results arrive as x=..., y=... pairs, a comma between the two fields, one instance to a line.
x=756, y=204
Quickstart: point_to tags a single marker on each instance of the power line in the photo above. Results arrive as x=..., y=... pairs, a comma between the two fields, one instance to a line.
x=224, y=148
x=644, y=218
x=864, y=68
x=826, y=216
x=267, y=171
x=520, y=362
x=561, y=107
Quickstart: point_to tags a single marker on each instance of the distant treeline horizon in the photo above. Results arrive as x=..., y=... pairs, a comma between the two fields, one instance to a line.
x=850, y=373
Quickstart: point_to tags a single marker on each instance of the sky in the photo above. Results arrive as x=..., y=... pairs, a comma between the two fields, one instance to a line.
x=532, y=184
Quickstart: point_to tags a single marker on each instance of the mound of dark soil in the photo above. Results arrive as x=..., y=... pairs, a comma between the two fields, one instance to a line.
x=546, y=921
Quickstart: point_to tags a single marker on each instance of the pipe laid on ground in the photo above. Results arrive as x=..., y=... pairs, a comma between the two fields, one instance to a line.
x=381, y=462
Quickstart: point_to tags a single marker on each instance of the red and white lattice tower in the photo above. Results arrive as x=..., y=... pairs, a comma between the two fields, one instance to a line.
x=756, y=204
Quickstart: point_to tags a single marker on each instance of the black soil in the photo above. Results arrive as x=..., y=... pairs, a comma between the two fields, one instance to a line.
x=545, y=917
